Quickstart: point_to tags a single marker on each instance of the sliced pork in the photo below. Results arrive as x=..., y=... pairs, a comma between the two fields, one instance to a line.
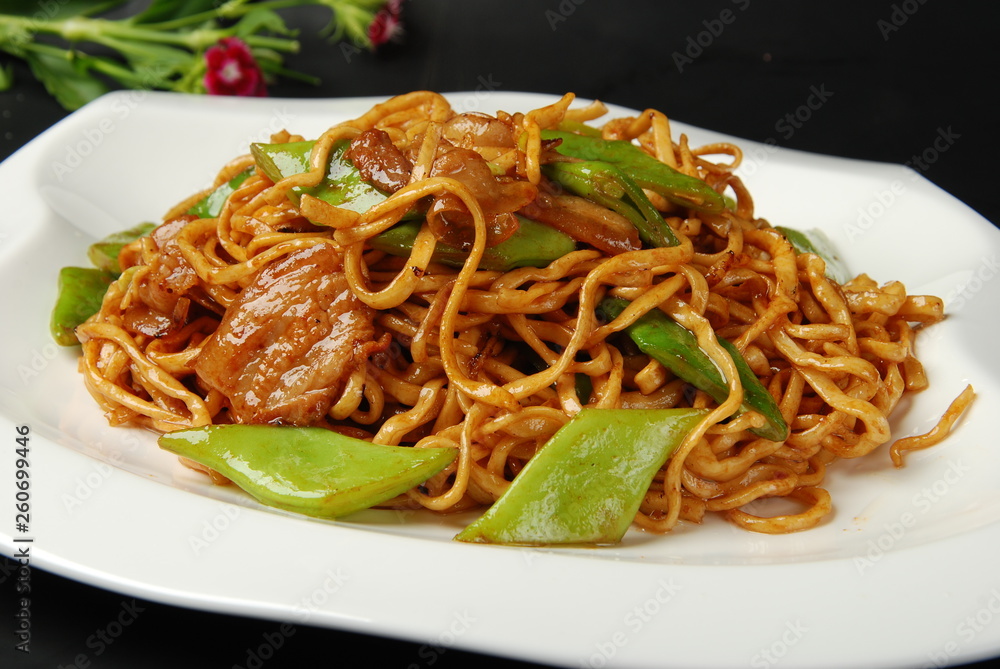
x=285, y=347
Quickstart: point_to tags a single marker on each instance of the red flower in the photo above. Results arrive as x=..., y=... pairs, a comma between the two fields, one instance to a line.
x=387, y=25
x=232, y=70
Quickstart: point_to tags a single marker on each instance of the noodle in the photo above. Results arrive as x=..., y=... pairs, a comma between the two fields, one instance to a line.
x=488, y=362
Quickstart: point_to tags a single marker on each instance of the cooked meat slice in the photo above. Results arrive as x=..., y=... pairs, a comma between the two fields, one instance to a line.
x=379, y=161
x=164, y=289
x=448, y=217
x=285, y=347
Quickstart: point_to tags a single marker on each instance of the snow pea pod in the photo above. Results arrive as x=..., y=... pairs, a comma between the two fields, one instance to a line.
x=676, y=348
x=817, y=243
x=104, y=253
x=80, y=292
x=644, y=169
x=532, y=245
x=585, y=485
x=342, y=186
x=308, y=470
x=609, y=187
x=211, y=205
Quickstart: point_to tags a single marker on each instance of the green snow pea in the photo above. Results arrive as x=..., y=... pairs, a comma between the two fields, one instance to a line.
x=104, y=254
x=642, y=168
x=308, y=470
x=80, y=292
x=817, y=243
x=676, y=348
x=533, y=245
x=210, y=206
x=610, y=187
x=585, y=485
x=343, y=186
x=81, y=289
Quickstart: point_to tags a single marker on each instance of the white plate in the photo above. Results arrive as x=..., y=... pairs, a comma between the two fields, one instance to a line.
x=904, y=573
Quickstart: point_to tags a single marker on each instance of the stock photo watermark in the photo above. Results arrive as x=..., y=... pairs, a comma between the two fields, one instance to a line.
x=213, y=528
x=270, y=644
x=23, y=539
x=307, y=606
x=632, y=623
x=921, y=503
x=755, y=156
x=883, y=199
x=770, y=655
x=712, y=29
x=257, y=655
x=38, y=362
x=966, y=630
x=965, y=293
x=429, y=653
x=485, y=85
x=101, y=640
x=280, y=119
x=899, y=14
x=85, y=486
x=562, y=12
x=120, y=108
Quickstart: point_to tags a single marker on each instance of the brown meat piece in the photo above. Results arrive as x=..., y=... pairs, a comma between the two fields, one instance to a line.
x=164, y=288
x=285, y=347
x=448, y=217
x=379, y=161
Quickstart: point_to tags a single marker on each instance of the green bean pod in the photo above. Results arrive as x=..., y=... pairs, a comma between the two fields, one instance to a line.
x=642, y=168
x=308, y=470
x=585, y=485
x=676, y=348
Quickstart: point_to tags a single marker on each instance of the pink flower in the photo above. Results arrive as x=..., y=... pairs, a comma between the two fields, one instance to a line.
x=387, y=25
x=232, y=70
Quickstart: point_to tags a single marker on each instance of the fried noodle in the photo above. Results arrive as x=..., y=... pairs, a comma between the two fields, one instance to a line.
x=444, y=361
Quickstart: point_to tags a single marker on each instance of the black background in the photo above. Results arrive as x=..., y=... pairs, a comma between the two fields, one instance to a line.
x=896, y=75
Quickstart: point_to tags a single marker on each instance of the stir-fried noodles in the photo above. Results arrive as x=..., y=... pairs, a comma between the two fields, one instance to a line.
x=289, y=308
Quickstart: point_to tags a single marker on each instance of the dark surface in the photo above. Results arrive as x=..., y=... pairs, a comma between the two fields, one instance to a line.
x=890, y=90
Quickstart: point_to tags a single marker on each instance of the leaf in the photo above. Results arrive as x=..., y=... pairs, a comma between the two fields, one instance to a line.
x=67, y=79
x=261, y=20
x=6, y=77
x=168, y=10
x=350, y=20
x=49, y=10
x=154, y=64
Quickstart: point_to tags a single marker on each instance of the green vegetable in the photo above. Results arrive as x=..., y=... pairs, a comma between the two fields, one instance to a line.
x=81, y=289
x=210, y=206
x=575, y=127
x=533, y=245
x=308, y=470
x=343, y=185
x=676, y=348
x=80, y=49
x=609, y=187
x=80, y=292
x=642, y=168
x=586, y=483
x=104, y=254
x=817, y=243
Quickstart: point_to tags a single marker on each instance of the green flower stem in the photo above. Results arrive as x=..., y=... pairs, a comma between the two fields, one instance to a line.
x=121, y=74
x=83, y=29
x=230, y=11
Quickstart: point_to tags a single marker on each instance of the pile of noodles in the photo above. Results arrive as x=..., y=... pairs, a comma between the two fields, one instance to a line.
x=837, y=358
